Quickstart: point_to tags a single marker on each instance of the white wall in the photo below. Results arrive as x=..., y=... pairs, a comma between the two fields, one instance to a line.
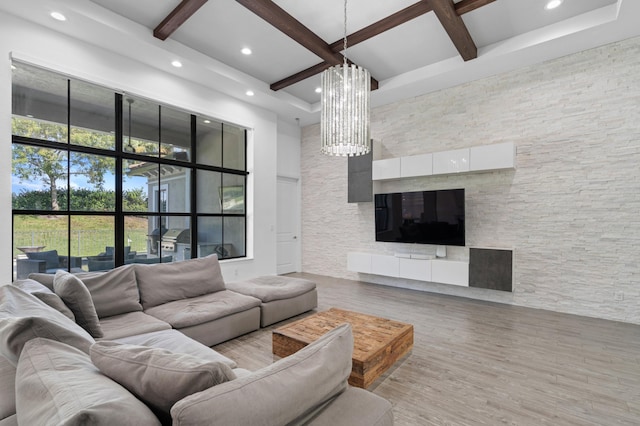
x=62, y=53
x=570, y=209
x=288, y=150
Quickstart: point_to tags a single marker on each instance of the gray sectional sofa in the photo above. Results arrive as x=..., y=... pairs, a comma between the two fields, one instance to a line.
x=131, y=347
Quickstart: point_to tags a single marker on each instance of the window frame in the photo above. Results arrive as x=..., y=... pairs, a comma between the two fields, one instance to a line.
x=120, y=154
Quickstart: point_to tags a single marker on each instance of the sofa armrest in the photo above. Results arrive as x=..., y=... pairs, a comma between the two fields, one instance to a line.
x=289, y=391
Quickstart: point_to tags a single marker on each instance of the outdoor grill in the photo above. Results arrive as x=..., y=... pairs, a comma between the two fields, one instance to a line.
x=173, y=237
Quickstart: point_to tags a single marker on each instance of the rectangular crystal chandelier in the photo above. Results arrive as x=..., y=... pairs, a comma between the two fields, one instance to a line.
x=344, y=117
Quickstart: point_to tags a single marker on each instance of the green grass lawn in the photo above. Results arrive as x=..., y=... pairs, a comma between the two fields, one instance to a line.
x=89, y=234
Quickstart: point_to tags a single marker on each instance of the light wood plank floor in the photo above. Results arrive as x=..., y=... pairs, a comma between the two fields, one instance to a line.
x=482, y=363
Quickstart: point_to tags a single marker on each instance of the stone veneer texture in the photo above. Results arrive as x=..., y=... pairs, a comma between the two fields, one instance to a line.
x=570, y=210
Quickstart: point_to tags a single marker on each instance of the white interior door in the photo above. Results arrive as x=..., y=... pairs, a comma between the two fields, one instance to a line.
x=287, y=226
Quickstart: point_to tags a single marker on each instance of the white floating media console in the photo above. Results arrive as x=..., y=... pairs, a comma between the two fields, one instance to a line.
x=489, y=266
x=475, y=159
x=431, y=270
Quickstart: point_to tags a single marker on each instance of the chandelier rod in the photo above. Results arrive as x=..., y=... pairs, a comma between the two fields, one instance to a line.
x=344, y=42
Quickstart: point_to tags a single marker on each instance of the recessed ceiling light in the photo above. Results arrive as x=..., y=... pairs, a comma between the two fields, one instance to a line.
x=58, y=16
x=250, y=93
x=318, y=89
x=30, y=115
x=207, y=121
x=246, y=51
x=552, y=4
x=176, y=64
x=13, y=67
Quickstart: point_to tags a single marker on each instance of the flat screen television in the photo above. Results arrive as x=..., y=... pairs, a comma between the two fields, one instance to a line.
x=423, y=217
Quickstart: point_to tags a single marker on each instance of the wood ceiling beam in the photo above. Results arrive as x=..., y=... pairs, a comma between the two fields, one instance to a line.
x=310, y=72
x=391, y=21
x=280, y=19
x=454, y=26
x=466, y=6
x=299, y=76
x=177, y=17
x=385, y=24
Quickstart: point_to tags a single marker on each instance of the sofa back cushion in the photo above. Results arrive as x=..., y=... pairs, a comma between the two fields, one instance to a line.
x=46, y=295
x=166, y=282
x=157, y=376
x=290, y=389
x=77, y=297
x=23, y=317
x=58, y=384
x=113, y=292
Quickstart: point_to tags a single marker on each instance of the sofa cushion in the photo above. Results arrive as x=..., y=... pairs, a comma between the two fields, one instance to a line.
x=278, y=394
x=158, y=377
x=24, y=317
x=272, y=287
x=113, y=292
x=197, y=310
x=165, y=282
x=130, y=324
x=58, y=384
x=44, y=279
x=46, y=295
x=7, y=388
x=77, y=297
x=175, y=341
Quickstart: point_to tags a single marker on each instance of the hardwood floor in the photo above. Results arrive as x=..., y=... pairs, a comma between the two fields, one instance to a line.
x=482, y=363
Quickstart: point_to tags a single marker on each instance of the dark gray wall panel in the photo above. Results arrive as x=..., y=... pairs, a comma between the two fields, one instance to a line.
x=360, y=185
x=491, y=268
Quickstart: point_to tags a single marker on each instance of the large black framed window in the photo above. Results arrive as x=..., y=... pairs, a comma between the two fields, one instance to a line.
x=102, y=178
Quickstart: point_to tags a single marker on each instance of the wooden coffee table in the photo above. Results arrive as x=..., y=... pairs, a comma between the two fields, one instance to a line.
x=378, y=342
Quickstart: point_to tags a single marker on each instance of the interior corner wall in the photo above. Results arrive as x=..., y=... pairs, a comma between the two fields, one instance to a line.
x=569, y=209
x=76, y=57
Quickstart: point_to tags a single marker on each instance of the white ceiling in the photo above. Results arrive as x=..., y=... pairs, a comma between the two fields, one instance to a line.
x=415, y=58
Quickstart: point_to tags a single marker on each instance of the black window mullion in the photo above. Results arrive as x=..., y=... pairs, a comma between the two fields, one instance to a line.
x=222, y=219
x=118, y=243
x=159, y=197
x=194, y=190
x=245, y=193
x=68, y=207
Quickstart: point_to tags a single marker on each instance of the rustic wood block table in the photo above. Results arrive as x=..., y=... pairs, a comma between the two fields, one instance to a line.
x=378, y=342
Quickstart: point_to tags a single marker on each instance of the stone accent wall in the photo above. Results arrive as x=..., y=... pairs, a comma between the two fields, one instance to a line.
x=571, y=209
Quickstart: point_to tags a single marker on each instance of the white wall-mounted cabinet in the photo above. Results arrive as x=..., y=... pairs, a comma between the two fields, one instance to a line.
x=476, y=159
x=415, y=269
x=386, y=169
x=456, y=161
x=416, y=165
x=385, y=265
x=450, y=272
x=431, y=270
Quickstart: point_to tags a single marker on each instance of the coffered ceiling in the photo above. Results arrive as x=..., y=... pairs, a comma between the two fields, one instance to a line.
x=415, y=57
